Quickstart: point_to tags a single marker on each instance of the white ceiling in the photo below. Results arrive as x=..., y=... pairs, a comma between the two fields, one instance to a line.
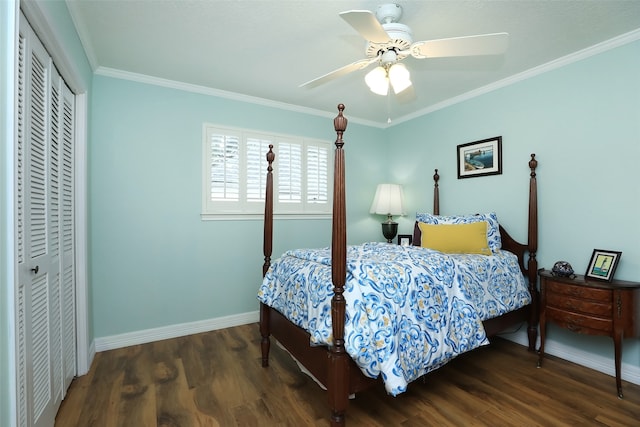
x=266, y=49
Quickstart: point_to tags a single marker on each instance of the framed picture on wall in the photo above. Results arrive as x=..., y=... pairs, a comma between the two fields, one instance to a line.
x=603, y=265
x=480, y=158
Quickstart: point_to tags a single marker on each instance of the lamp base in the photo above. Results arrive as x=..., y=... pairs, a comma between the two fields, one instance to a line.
x=389, y=230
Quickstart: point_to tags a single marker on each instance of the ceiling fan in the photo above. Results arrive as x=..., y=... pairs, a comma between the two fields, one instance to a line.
x=389, y=42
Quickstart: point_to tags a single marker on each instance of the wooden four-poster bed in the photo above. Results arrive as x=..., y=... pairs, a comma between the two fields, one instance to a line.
x=331, y=364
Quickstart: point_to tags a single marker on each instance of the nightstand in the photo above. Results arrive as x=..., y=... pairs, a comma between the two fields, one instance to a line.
x=590, y=307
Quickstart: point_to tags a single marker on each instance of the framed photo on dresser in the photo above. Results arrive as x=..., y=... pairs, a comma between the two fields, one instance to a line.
x=603, y=265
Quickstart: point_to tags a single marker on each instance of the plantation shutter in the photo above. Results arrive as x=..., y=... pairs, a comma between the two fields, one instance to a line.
x=235, y=167
x=317, y=174
x=256, y=170
x=225, y=167
x=289, y=175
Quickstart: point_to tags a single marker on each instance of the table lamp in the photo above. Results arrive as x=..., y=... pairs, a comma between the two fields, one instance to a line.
x=389, y=201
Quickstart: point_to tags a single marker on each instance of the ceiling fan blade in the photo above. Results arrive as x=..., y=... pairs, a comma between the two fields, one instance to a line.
x=365, y=23
x=355, y=66
x=483, y=44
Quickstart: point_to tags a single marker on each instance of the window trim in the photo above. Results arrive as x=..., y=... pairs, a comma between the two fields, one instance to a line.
x=304, y=210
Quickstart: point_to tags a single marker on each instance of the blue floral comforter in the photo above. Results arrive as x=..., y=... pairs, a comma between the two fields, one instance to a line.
x=409, y=309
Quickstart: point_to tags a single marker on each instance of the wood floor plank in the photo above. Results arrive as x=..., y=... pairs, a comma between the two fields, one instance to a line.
x=216, y=379
x=97, y=410
x=137, y=394
x=76, y=396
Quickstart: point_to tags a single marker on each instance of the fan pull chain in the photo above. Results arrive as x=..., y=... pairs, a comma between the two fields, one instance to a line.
x=389, y=107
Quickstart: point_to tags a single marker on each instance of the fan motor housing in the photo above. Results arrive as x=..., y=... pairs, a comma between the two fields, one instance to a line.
x=401, y=39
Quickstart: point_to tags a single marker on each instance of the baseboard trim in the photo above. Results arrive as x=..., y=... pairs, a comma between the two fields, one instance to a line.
x=598, y=363
x=173, y=331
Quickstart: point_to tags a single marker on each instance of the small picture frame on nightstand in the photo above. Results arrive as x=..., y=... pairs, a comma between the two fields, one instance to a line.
x=404, y=239
x=603, y=265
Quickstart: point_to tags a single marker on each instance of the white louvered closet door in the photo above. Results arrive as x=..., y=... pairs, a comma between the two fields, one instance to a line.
x=45, y=300
x=67, y=238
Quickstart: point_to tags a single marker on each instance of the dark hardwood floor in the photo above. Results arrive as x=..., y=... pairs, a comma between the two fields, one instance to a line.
x=216, y=379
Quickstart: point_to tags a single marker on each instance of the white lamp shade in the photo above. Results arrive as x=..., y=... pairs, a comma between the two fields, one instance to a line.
x=377, y=81
x=389, y=200
x=399, y=77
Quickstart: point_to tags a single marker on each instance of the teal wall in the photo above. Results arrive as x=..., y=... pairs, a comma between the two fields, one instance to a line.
x=154, y=262
x=583, y=123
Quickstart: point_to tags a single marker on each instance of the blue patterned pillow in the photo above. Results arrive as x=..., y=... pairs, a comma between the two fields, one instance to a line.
x=493, y=230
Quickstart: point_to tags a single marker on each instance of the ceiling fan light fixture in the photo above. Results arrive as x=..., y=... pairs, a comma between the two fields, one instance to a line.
x=377, y=81
x=389, y=42
x=399, y=77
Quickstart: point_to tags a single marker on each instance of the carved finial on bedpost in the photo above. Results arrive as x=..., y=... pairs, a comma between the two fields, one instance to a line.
x=271, y=156
x=340, y=125
x=532, y=246
x=533, y=164
x=436, y=194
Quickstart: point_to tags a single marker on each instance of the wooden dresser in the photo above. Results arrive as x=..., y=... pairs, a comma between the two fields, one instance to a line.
x=590, y=307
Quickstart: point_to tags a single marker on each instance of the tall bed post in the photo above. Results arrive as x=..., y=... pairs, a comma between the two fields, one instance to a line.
x=267, y=247
x=268, y=213
x=338, y=358
x=436, y=194
x=532, y=267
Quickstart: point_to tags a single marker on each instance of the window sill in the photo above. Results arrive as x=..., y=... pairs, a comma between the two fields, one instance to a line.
x=260, y=217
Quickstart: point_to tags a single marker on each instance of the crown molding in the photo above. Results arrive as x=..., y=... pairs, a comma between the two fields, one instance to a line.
x=203, y=90
x=533, y=72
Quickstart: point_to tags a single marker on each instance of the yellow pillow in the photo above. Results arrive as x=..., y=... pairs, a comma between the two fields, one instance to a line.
x=456, y=238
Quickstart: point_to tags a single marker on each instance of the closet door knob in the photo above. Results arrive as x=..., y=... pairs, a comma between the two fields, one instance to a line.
x=35, y=269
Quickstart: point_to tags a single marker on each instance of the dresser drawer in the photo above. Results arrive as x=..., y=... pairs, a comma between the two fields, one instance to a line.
x=578, y=291
x=579, y=322
x=585, y=306
x=590, y=307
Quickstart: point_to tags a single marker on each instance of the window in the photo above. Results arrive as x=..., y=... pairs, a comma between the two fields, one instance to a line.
x=234, y=174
